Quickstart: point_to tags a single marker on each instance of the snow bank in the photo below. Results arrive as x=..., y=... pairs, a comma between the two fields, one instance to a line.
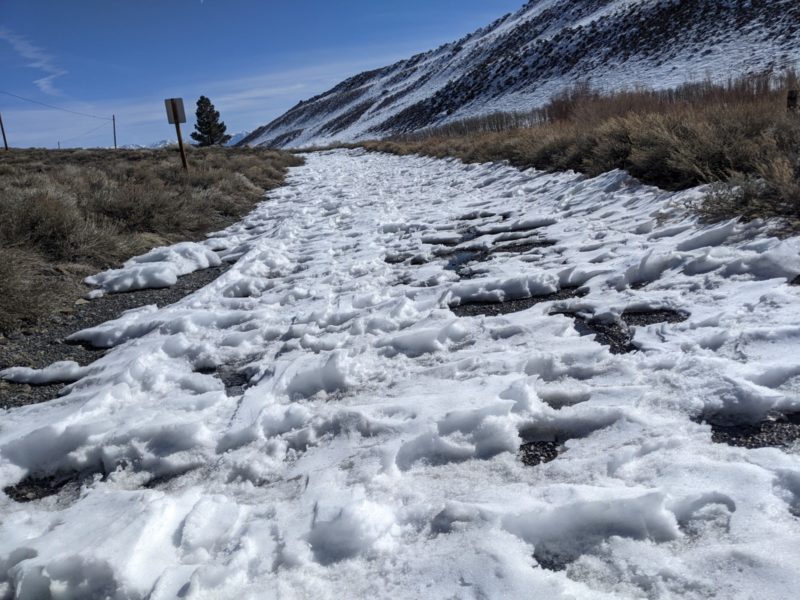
x=65, y=371
x=159, y=268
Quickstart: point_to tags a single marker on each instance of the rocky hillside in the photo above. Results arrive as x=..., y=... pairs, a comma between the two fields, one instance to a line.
x=522, y=59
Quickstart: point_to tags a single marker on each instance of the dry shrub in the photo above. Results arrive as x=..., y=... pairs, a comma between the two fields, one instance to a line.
x=95, y=208
x=736, y=136
x=47, y=221
x=25, y=288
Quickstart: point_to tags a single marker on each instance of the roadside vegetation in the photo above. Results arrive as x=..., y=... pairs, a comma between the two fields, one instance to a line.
x=66, y=214
x=737, y=136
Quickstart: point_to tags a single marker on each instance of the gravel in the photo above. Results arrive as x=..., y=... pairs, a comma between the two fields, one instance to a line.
x=644, y=318
x=772, y=433
x=537, y=453
x=36, y=488
x=44, y=344
x=523, y=247
x=473, y=309
x=617, y=335
x=613, y=334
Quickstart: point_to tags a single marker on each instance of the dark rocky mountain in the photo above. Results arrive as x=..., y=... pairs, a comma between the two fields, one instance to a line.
x=521, y=60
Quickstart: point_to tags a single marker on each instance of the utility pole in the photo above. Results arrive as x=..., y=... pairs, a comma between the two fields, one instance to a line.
x=114, y=125
x=3, y=129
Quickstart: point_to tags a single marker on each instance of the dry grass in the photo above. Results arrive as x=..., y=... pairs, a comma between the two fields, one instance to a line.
x=737, y=136
x=67, y=213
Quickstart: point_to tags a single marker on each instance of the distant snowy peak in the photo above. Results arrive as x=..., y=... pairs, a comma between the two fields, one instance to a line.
x=519, y=61
x=237, y=137
x=152, y=146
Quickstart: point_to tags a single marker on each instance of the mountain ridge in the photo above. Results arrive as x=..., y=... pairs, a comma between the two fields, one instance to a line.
x=520, y=60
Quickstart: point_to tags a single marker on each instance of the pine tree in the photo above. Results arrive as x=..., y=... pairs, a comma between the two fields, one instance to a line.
x=210, y=130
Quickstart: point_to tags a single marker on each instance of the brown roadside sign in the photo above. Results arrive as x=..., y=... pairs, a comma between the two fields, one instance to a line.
x=175, y=112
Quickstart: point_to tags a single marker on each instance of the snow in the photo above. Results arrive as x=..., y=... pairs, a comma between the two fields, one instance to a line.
x=372, y=450
x=160, y=267
x=151, y=146
x=65, y=371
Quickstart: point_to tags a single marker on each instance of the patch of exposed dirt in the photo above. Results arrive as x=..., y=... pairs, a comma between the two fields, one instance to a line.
x=771, y=433
x=477, y=214
x=537, y=453
x=236, y=379
x=617, y=334
x=524, y=247
x=459, y=259
x=441, y=241
x=552, y=562
x=642, y=318
x=491, y=309
x=613, y=334
x=40, y=346
x=35, y=488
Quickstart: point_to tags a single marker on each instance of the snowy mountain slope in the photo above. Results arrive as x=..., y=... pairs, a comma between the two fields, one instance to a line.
x=519, y=61
x=319, y=423
x=237, y=137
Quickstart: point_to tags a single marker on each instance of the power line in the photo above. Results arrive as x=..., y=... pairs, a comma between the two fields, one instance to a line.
x=74, y=137
x=74, y=112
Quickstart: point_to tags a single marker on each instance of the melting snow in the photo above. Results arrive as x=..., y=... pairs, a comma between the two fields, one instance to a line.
x=158, y=268
x=371, y=445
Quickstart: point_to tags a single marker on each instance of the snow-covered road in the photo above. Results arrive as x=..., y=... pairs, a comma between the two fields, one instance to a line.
x=318, y=423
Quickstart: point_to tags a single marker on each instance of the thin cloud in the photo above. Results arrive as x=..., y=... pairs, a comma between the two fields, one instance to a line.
x=246, y=102
x=38, y=59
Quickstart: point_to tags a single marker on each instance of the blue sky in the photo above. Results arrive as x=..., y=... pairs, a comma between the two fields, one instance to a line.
x=254, y=59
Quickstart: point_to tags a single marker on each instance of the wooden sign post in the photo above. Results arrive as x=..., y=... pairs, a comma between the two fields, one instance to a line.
x=176, y=115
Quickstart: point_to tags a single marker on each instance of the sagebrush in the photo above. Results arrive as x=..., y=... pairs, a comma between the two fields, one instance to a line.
x=737, y=136
x=67, y=213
